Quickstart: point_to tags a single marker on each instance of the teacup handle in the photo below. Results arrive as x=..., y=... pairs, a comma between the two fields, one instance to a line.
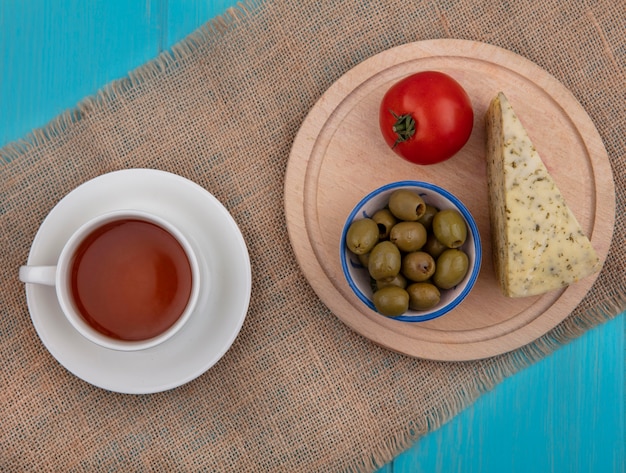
x=38, y=275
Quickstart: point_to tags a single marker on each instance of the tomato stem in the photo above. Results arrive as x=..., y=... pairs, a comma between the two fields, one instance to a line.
x=404, y=127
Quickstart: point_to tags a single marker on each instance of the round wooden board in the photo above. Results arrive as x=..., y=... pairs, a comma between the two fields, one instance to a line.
x=339, y=156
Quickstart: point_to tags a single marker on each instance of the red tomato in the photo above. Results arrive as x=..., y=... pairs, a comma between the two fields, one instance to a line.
x=426, y=117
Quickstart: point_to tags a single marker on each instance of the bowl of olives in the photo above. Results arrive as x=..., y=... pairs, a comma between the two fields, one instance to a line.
x=411, y=251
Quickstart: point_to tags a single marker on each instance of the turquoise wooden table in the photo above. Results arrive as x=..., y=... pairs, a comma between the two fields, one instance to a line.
x=563, y=414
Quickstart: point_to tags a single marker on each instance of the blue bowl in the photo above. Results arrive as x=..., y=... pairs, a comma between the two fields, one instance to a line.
x=357, y=275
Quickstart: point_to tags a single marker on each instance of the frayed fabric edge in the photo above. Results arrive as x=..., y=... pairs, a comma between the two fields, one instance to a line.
x=505, y=365
x=166, y=61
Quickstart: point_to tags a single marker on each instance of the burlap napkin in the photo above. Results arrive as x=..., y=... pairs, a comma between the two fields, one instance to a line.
x=298, y=391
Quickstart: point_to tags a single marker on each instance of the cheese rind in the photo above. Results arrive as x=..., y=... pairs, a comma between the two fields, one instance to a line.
x=538, y=245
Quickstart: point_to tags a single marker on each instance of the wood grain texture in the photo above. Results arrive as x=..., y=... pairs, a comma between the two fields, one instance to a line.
x=563, y=414
x=339, y=157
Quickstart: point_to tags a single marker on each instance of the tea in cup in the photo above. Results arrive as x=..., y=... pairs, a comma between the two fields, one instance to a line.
x=126, y=280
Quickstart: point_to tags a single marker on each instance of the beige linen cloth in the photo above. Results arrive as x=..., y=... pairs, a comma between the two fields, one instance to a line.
x=298, y=391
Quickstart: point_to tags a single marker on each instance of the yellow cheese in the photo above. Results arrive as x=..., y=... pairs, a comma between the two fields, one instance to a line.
x=538, y=245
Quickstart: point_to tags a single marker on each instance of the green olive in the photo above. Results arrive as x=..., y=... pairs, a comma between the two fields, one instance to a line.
x=418, y=266
x=433, y=246
x=427, y=218
x=412, y=252
x=423, y=296
x=391, y=301
x=364, y=259
x=385, y=261
x=449, y=227
x=408, y=236
x=398, y=280
x=452, y=266
x=406, y=205
x=362, y=235
x=385, y=220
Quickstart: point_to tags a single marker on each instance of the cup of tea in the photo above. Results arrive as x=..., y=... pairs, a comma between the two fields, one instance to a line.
x=126, y=280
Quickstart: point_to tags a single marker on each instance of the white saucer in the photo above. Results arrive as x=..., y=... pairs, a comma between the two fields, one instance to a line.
x=221, y=309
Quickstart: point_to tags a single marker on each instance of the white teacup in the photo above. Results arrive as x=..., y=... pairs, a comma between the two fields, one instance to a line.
x=125, y=280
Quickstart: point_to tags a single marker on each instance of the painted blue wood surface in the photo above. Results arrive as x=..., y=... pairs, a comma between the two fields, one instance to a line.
x=563, y=414
x=54, y=53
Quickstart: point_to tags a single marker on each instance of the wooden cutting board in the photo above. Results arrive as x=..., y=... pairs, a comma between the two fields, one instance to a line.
x=339, y=155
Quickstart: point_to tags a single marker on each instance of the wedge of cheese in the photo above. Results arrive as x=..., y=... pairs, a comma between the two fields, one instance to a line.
x=538, y=245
